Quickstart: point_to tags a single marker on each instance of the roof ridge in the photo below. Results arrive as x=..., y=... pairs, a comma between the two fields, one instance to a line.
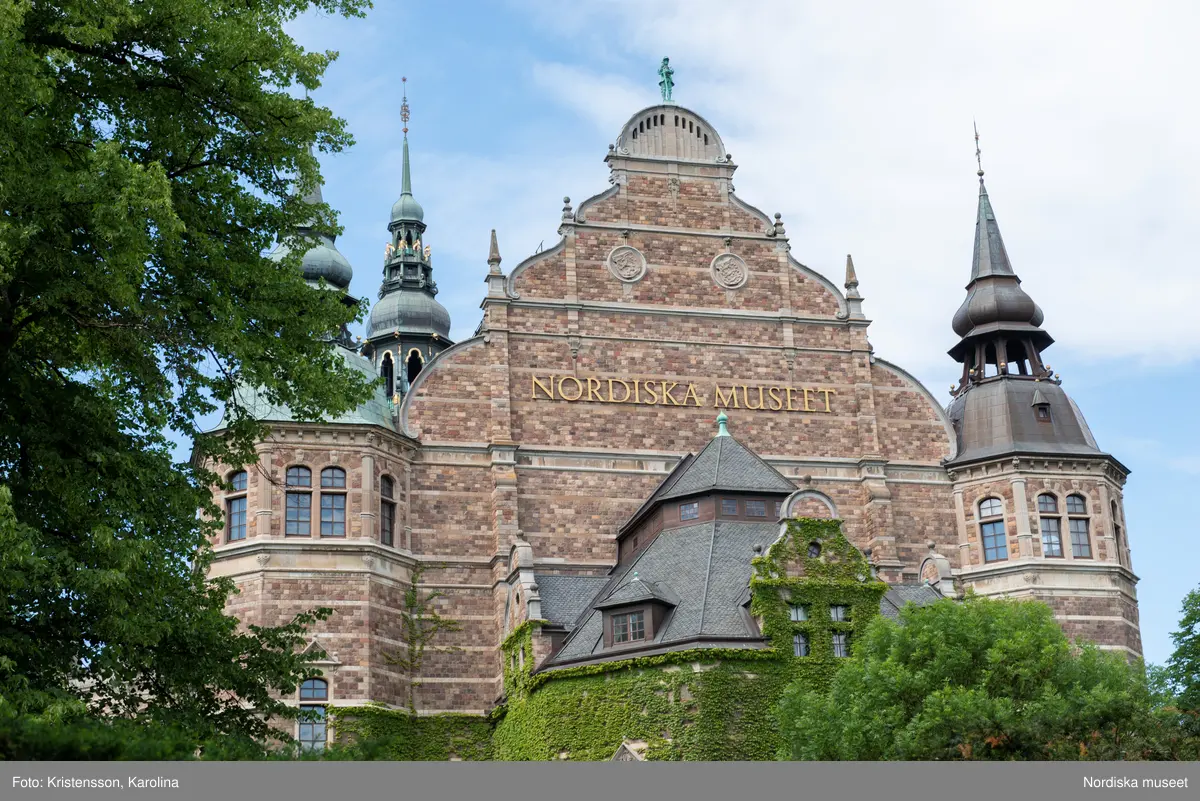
x=717, y=465
x=764, y=462
x=712, y=542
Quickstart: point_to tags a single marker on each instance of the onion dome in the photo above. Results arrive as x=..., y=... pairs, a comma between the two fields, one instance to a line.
x=408, y=313
x=322, y=260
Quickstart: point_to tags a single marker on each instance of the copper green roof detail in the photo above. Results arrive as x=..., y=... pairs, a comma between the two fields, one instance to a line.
x=722, y=430
x=407, y=209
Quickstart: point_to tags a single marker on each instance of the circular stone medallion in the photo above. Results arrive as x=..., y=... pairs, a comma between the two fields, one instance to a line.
x=729, y=271
x=627, y=263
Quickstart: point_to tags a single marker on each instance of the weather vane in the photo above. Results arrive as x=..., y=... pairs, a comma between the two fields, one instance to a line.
x=978, y=155
x=404, y=104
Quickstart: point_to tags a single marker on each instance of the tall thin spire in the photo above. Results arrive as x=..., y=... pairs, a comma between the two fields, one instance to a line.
x=406, y=180
x=494, y=254
x=851, y=279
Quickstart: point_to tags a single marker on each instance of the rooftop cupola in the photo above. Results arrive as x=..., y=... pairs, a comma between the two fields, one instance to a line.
x=999, y=324
x=322, y=259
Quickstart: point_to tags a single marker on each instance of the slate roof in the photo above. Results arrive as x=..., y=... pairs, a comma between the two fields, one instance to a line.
x=564, y=598
x=706, y=567
x=724, y=464
x=900, y=594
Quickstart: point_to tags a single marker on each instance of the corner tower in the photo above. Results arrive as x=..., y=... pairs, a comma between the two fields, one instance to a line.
x=1039, y=505
x=407, y=327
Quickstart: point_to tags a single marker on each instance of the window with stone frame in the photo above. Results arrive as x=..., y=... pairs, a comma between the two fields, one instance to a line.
x=1051, y=526
x=1080, y=527
x=312, y=729
x=841, y=644
x=297, y=517
x=1117, y=534
x=235, y=508
x=992, y=530
x=629, y=627
x=689, y=511
x=387, y=511
x=333, y=503
x=756, y=508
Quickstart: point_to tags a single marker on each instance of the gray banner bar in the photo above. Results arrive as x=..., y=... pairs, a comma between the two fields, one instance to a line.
x=362, y=781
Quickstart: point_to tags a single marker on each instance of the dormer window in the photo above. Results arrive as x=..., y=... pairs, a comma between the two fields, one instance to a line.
x=629, y=627
x=1043, y=412
x=756, y=508
x=729, y=506
x=689, y=511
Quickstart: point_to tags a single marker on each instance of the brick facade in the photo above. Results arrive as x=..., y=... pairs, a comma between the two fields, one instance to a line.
x=489, y=474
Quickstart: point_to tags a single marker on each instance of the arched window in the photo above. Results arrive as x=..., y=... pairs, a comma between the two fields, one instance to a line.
x=414, y=365
x=1117, y=534
x=388, y=371
x=333, y=502
x=235, y=508
x=1051, y=525
x=387, y=511
x=1080, y=523
x=991, y=530
x=297, y=519
x=312, y=729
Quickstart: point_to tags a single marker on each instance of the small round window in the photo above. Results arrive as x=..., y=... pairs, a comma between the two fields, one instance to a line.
x=814, y=550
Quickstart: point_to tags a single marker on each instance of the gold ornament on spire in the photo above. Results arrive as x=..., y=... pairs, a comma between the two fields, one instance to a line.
x=404, y=103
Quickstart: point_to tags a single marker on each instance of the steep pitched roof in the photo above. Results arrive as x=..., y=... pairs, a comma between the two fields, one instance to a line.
x=725, y=464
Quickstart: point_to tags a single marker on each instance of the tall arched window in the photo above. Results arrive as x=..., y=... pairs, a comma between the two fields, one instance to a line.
x=414, y=364
x=333, y=502
x=1118, y=538
x=297, y=520
x=1080, y=523
x=1051, y=525
x=991, y=530
x=388, y=371
x=312, y=728
x=387, y=511
x=235, y=508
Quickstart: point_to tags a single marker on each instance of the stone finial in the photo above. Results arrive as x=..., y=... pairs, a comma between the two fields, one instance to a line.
x=494, y=254
x=851, y=279
x=722, y=429
x=779, y=230
x=567, y=213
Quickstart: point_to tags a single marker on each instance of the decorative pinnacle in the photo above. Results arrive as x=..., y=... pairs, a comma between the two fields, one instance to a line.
x=851, y=278
x=494, y=254
x=722, y=420
x=978, y=154
x=404, y=104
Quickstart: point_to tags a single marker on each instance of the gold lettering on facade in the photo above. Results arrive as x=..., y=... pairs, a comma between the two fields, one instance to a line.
x=723, y=401
x=578, y=388
x=656, y=392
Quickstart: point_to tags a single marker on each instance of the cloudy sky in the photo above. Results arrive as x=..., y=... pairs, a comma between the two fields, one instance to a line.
x=854, y=120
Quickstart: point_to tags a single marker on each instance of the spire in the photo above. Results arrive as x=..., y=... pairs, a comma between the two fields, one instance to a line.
x=990, y=257
x=722, y=421
x=851, y=279
x=494, y=254
x=406, y=209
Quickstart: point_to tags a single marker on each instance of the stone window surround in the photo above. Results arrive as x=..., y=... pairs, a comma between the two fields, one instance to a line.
x=234, y=495
x=320, y=695
x=982, y=520
x=387, y=503
x=314, y=491
x=1062, y=511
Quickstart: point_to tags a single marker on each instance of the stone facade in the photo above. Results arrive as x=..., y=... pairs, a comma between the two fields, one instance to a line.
x=495, y=477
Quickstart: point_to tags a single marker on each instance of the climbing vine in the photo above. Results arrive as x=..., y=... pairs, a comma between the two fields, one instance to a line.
x=420, y=623
x=394, y=734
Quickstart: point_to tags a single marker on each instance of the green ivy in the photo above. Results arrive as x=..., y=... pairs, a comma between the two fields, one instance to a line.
x=703, y=704
x=397, y=734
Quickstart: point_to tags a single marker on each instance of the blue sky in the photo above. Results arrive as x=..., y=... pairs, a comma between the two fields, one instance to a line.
x=854, y=121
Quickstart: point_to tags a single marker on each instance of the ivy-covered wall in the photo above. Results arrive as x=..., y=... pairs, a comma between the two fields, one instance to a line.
x=704, y=704
x=399, y=735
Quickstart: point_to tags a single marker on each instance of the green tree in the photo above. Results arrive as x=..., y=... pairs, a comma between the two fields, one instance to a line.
x=1183, y=668
x=981, y=679
x=151, y=151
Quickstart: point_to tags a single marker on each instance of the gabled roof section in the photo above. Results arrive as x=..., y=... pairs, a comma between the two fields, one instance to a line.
x=726, y=464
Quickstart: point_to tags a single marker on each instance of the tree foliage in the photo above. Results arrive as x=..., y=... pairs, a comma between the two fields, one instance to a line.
x=151, y=152
x=981, y=679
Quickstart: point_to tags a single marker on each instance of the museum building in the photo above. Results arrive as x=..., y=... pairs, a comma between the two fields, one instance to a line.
x=641, y=409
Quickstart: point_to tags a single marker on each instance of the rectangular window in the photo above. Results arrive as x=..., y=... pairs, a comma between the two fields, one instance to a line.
x=800, y=645
x=841, y=644
x=839, y=614
x=629, y=627
x=312, y=728
x=1081, y=542
x=995, y=545
x=1051, y=537
x=756, y=508
x=728, y=506
x=387, y=522
x=298, y=515
x=333, y=515
x=236, y=514
x=799, y=612
x=689, y=511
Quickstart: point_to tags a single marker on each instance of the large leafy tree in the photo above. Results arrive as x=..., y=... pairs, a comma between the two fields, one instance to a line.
x=150, y=152
x=981, y=679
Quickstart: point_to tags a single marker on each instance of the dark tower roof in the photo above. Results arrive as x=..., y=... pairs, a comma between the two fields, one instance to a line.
x=323, y=259
x=995, y=302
